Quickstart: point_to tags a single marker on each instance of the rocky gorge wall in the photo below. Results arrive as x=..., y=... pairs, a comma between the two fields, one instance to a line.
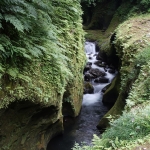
x=32, y=98
x=132, y=45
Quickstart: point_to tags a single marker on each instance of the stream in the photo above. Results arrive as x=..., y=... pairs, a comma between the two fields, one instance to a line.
x=82, y=128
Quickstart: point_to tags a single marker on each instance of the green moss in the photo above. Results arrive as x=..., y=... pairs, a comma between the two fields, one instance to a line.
x=118, y=107
x=111, y=94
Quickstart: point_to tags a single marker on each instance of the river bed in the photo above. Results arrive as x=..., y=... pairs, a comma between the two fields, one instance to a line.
x=82, y=128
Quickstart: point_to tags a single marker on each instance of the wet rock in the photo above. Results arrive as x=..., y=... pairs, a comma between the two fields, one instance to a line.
x=90, y=57
x=104, y=89
x=111, y=93
x=89, y=63
x=27, y=123
x=88, y=88
x=96, y=72
x=99, y=58
x=102, y=80
x=104, y=63
x=100, y=63
x=87, y=67
x=95, y=55
x=111, y=71
x=105, y=69
x=96, y=80
x=111, y=67
x=102, y=56
x=87, y=77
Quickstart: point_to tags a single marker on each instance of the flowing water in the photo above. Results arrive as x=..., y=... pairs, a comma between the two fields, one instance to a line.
x=82, y=128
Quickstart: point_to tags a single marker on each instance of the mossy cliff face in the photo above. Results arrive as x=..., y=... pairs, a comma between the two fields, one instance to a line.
x=130, y=41
x=132, y=45
x=32, y=92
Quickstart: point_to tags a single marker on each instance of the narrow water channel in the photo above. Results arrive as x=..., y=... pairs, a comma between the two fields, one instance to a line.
x=82, y=128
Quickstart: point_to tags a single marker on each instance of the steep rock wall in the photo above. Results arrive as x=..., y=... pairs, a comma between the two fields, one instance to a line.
x=132, y=37
x=33, y=86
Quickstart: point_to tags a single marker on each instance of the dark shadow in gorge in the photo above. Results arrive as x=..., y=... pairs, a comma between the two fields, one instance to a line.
x=98, y=16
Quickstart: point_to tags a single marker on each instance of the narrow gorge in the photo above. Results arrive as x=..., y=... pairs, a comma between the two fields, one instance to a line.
x=71, y=69
x=97, y=75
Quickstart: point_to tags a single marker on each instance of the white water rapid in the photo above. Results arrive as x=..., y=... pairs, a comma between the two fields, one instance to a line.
x=91, y=54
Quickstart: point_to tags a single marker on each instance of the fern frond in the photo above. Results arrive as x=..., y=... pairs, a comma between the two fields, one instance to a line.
x=25, y=78
x=31, y=11
x=17, y=9
x=13, y=72
x=35, y=52
x=1, y=68
x=14, y=21
x=2, y=48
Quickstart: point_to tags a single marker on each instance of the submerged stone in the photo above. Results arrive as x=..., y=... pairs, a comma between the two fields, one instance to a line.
x=88, y=88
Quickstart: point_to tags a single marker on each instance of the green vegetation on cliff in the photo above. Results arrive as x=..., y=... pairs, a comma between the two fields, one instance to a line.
x=41, y=57
x=41, y=46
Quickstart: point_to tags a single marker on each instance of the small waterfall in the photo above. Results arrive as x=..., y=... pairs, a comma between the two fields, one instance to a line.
x=89, y=48
x=91, y=54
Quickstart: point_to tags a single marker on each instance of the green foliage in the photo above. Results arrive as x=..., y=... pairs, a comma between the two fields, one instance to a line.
x=38, y=42
x=130, y=126
x=142, y=58
x=140, y=91
x=145, y=4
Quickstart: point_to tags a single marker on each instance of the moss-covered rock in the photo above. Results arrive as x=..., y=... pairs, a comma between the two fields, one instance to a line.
x=114, y=112
x=111, y=94
x=72, y=99
x=88, y=88
x=29, y=125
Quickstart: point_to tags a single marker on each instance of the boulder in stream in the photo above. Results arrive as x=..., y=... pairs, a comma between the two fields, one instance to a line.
x=88, y=66
x=96, y=72
x=111, y=71
x=102, y=80
x=88, y=88
x=99, y=63
x=89, y=63
x=88, y=77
